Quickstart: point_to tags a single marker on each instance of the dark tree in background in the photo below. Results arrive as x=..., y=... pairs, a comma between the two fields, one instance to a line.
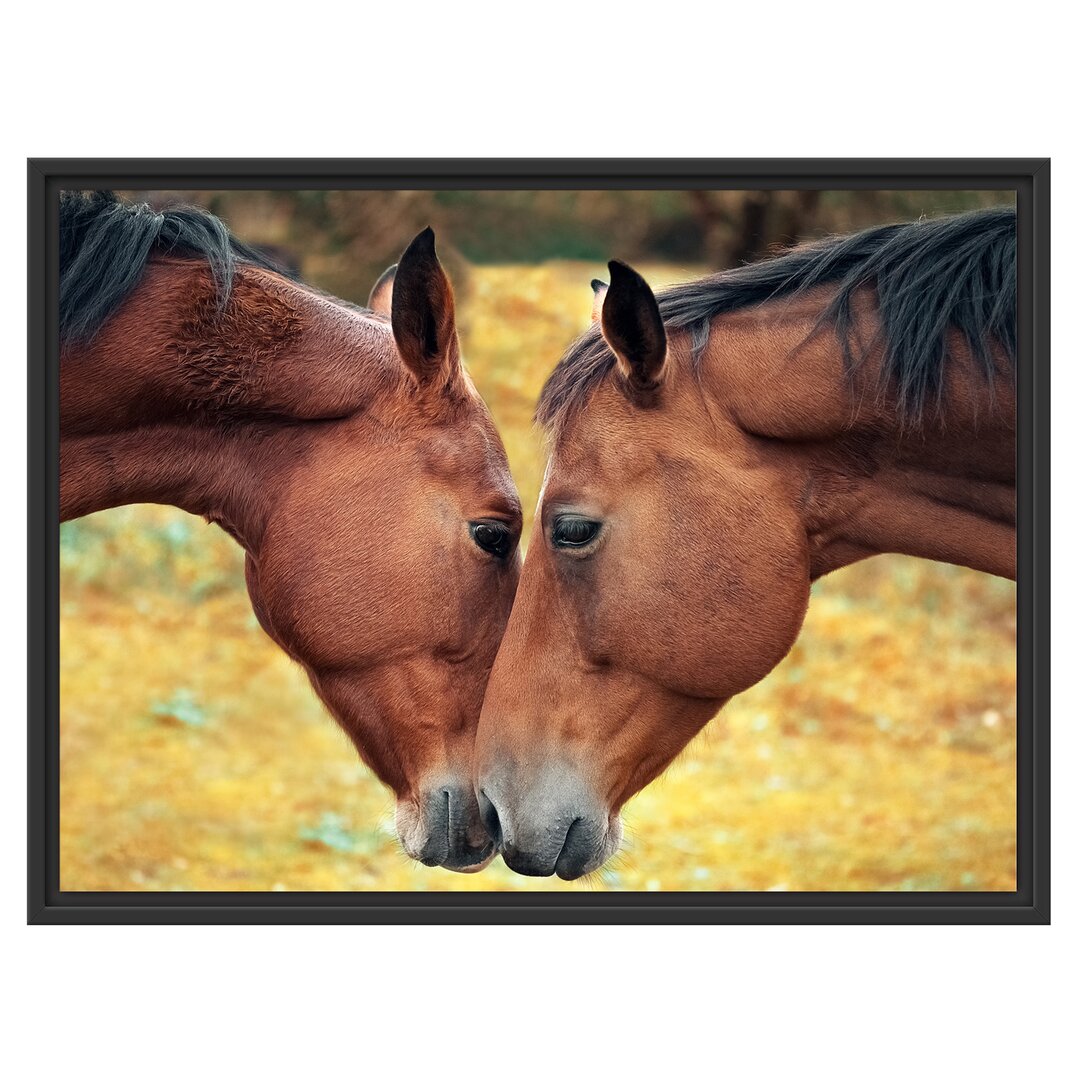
x=342, y=240
x=738, y=227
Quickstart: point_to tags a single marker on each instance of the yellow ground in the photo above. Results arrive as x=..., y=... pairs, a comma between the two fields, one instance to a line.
x=880, y=755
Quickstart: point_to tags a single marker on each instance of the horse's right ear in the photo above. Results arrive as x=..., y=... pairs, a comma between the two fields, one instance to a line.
x=631, y=324
x=382, y=291
x=422, y=314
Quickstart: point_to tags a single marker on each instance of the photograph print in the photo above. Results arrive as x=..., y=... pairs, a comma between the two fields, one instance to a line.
x=616, y=540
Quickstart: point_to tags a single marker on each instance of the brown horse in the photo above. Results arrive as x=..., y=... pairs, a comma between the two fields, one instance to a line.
x=712, y=455
x=346, y=451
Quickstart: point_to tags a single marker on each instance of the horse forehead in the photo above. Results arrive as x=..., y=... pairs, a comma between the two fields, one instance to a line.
x=649, y=462
x=615, y=446
x=470, y=448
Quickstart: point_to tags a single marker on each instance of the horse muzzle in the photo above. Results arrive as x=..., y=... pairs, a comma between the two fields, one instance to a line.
x=442, y=827
x=554, y=826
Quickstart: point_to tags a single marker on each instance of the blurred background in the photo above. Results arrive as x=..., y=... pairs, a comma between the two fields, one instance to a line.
x=881, y=754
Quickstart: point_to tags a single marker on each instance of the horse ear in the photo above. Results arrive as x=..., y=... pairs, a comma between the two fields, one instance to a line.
x=599, y=291
x=422, y=313
x=382, y=291
x=631, y=324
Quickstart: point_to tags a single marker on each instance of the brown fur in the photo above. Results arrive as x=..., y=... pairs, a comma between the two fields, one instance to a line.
x=223, y=354
x=743, y=482
x=292, y=421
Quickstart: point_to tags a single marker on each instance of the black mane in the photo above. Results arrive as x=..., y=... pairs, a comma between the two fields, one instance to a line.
x=105, y=245
x=955, y=272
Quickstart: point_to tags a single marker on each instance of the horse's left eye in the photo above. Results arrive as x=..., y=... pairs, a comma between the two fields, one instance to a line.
x=493, y=536
x=571, y=531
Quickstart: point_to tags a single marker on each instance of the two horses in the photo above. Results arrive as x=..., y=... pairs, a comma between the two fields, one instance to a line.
x=714, y=450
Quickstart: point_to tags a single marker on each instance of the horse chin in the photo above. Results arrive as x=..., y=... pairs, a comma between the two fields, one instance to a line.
x=609, y=847
x=614, y=839
x=476, y=867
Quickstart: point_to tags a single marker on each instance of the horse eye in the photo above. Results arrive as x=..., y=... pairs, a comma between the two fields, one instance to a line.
x=574, y=532
x=493, y=536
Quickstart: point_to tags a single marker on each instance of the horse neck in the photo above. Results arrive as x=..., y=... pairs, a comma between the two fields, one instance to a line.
x=865, y=479
x=217, y=474
x=176, y=402
x=946, y=493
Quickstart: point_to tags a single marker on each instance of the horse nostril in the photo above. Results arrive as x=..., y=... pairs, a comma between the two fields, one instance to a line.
x=490, y=817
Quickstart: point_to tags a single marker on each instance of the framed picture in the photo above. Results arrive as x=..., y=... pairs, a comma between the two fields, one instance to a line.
x=539, y=541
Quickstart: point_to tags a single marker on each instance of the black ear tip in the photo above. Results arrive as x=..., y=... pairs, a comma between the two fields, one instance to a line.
x=621, y=272
x=597, y=285
x=423, y=243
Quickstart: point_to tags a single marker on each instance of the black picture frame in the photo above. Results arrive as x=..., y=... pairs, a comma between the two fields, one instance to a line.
x=1029, y=177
